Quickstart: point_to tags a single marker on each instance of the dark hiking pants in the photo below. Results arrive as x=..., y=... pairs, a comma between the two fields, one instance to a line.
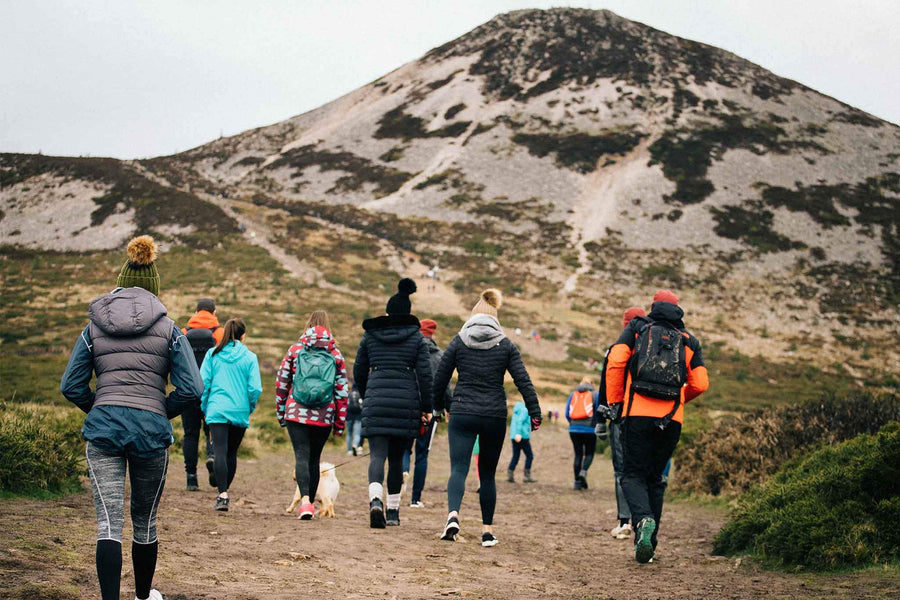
x=192, y=420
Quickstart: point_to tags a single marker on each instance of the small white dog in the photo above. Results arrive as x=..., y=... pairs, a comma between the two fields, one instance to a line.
x=329, y=487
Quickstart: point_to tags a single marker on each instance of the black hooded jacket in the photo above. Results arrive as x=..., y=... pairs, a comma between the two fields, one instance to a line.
x=393, y=374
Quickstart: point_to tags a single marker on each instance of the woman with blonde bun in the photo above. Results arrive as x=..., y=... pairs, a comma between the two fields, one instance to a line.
x=481, y=354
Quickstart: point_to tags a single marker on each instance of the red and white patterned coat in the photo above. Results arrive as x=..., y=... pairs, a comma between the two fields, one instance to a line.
x=286, y=409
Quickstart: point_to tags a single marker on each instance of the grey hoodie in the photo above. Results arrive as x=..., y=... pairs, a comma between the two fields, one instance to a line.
x=481, y=332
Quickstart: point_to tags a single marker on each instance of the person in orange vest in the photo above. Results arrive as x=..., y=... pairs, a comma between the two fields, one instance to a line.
x=653, y=370
x=580, y=410
x=203, y=332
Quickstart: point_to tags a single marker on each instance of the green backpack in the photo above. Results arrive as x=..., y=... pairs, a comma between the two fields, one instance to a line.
x=314, y=378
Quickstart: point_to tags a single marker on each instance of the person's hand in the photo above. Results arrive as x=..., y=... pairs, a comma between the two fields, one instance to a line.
x=282, y=423
x=339, y=432
x=439, y=416
x=518, y=437
x=426, y=418
x=536, y=423
x=601, y=431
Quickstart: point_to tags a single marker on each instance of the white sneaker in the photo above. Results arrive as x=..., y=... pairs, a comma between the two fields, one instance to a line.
x=417, y=504
x=621, y=532
x=349, y=452
x=154, y=595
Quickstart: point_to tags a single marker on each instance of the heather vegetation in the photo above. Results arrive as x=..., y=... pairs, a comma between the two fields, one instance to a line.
x=579, y=152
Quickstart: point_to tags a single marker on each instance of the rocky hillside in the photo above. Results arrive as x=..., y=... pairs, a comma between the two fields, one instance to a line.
x=570, y=156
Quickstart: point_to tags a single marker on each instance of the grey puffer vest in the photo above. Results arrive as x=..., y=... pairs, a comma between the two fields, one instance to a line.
x=130, y=336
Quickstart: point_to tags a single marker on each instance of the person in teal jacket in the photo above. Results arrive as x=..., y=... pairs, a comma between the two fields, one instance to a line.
x=232, y=386
x=520, y=434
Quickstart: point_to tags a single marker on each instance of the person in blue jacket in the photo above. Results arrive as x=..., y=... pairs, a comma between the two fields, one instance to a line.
x=581, y=408
x=520, y=434
x=133, y=348
x=231, y=388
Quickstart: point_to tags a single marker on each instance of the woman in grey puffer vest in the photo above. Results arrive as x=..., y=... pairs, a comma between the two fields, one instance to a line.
x=482, y=355
x=134, y=348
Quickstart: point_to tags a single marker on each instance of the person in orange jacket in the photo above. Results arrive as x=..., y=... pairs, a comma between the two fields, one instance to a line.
x=653, y=370
x=203, y=332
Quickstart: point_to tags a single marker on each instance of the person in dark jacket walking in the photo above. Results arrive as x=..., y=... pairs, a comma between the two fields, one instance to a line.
x=481, y=354
x=203, y=332
x=423, y=440
x=652, y=424
x=393, y=373
x=309, y=423
x=581, y=408
x=133, y=347
x=354, y=421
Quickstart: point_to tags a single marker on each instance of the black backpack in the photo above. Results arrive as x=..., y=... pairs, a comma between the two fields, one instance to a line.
x=354, y=406
x=657, y=365
x=201, y=341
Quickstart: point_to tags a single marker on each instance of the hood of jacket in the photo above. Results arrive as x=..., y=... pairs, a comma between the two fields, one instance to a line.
x=317, y=337
x=432, y=345
x=584, y=387
x=481, y=332
x=666, y=311
x=203, y=319
x=392, y=329
x=232, y=352
x=126, y=311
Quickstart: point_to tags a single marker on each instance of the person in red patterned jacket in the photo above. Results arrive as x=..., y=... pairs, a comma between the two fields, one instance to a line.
x=309, y=427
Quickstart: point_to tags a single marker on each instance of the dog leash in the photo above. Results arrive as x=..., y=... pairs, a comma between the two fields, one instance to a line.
x=347, y=462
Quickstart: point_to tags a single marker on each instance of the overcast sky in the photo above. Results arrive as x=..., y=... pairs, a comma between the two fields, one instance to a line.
x=134, y=79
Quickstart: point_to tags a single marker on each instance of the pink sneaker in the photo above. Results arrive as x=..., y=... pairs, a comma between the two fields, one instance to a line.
x=307, y=511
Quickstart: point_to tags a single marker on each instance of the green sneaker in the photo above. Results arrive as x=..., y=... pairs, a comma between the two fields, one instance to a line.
x=643, y=546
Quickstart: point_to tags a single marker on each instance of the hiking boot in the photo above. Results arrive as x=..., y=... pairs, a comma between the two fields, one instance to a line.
x=211, y=467
x=510, y=476
x=577, y=485
x=528, y=478
x=376, y=514
x=621, y=531
x=451, y=529
x=392, y=517
x=643, y=546
x=583, y=477
x=488, y=540
x=306, y=511
x=192, y=485
x=221, y=504
x=417, y=504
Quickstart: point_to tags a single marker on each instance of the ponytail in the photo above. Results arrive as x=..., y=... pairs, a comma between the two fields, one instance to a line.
x=234, y=330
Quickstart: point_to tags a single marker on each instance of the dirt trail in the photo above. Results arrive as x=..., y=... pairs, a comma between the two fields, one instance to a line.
x=553, y=543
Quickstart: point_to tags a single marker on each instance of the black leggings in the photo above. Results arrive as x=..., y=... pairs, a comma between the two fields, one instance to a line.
x=585, y=445
x=226, y=439
x=193, y=422
x=392, y=448
x=308, y=442
x=491, y=433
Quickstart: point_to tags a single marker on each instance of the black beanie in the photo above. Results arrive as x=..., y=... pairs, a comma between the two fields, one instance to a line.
x=399, y=303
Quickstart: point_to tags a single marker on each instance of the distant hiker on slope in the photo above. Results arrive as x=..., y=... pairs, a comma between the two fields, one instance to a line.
x=520, y=434
x=581, y=408
x=665, y=371
x=203, y=332
x=423, y=440
x=311, y=393
x=133, y=347
x=231, y=388
x=623, y=513
x=481, y=355
x=393, y=373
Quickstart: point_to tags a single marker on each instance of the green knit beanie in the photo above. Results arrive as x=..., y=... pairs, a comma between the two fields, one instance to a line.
x=140, y=270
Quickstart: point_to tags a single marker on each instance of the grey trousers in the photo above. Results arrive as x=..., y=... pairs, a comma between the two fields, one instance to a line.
x=148, y=478
x=618, y=460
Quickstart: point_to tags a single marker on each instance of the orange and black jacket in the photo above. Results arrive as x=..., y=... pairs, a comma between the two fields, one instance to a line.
x=618, y=377
x=203, y=319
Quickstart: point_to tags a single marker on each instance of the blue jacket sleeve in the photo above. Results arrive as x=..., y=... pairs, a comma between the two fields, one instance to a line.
x=183, y=374
x=568, y=406
x=254, y=382
x=75, y=384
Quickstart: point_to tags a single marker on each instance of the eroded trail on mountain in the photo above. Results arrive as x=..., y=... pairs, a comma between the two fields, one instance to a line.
x=554, y=543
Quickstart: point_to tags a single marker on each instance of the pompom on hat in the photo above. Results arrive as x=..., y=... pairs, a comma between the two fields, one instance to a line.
x=488, y=303
x=399, y=303
x=632, y=313
x=140, y=268
x=665, y=296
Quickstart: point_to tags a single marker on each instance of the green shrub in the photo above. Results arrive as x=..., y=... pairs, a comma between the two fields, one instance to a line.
x=40, y=452
x=836, y=508
x=740, y=452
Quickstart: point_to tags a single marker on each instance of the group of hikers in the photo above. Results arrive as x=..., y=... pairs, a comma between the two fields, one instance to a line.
x=400, y=389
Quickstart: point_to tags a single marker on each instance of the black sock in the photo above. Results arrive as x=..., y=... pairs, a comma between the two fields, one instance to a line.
x=143, y=557
x=109, y=568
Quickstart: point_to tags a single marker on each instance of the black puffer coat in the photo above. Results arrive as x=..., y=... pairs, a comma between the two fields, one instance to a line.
x=482, y=355
x=393, y=374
